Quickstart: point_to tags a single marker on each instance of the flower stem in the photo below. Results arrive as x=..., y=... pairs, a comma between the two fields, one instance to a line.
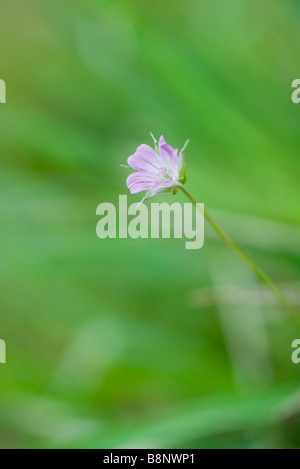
x=283, y=300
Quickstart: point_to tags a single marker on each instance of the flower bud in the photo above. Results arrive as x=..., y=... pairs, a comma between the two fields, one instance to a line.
x=182, y=170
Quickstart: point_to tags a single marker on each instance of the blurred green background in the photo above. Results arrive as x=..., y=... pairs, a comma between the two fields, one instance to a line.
x=142, y=343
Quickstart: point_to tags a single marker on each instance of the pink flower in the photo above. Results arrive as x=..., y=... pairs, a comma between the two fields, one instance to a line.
x=157, y=171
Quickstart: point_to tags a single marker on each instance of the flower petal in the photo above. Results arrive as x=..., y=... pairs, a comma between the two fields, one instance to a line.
x=145, y=159
x=157, y=191
x=144, y=181
x=169, y=154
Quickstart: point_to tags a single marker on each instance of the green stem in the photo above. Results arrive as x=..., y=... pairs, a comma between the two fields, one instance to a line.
x=283, y=300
